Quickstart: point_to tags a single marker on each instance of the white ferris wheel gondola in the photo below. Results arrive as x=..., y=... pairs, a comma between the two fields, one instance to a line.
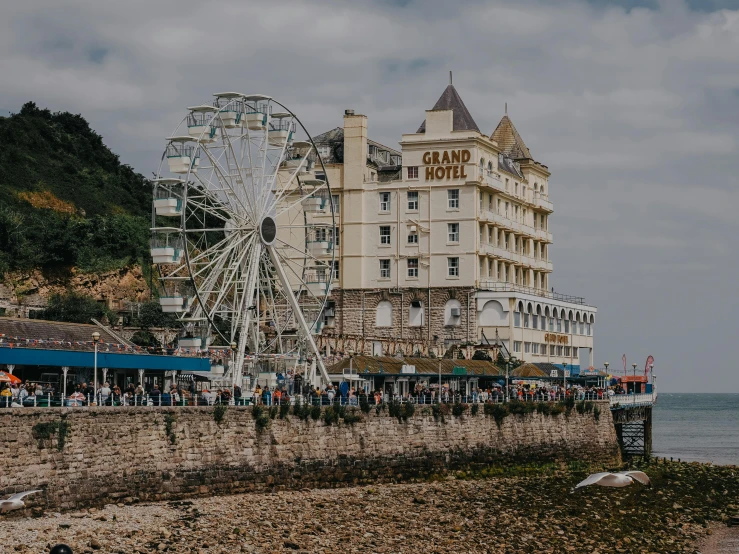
x=252, y=259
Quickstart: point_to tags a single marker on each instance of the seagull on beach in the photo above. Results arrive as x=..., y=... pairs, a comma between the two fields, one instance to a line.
x=620, y=479
x=14, y=502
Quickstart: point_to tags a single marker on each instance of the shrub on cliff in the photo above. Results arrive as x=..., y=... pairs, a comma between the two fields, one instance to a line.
x=301, y=411
x=498, y=411
x=475, y=408
x=315, y=413
x=458, y=409
x=516, y=407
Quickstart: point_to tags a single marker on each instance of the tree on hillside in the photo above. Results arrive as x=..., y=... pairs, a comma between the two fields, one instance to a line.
x=73, y=307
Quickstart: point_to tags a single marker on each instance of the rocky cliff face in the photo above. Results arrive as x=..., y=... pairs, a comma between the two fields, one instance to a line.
x=22, y=291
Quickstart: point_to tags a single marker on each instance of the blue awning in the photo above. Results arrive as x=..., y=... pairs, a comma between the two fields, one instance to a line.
x=76, y=358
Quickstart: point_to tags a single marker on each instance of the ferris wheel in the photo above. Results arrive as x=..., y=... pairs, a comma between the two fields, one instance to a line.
x=243, y=231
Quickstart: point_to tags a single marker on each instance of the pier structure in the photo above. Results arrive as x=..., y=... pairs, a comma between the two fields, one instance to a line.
x=632, y=417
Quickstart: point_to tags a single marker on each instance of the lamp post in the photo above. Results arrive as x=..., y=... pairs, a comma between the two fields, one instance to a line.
x=508, y=361
x=234, y=346
x=65, y=369
x=95, y=339
x=564, y=377
x=605, y=379
x=633, y=384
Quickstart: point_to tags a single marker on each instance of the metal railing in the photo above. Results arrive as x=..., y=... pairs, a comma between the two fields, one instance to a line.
x=630, y=400
x=184, y=399
x=497, y=286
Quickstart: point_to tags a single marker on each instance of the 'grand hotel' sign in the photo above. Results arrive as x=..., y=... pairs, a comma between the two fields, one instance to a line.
x=446, y=164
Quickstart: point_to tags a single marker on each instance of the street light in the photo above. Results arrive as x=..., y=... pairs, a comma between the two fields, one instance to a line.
x=605, y=379
x=633, y=384
x=564, y=377
x=95, y=339
x=508, y=362
x=234, y=346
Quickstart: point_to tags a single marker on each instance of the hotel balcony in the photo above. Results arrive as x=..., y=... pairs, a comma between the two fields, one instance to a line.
x=544, y=235
x=543, y=202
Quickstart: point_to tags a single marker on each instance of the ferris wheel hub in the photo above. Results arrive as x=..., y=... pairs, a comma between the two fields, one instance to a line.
x=268, y=230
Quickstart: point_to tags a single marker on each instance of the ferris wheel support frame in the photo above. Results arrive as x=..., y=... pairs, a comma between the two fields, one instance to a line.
x=298, y=313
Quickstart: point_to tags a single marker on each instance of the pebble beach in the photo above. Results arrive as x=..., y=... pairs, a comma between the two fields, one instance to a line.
x=501, y=511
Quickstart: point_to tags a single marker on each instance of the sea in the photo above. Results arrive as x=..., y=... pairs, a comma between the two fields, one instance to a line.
x=697, y=427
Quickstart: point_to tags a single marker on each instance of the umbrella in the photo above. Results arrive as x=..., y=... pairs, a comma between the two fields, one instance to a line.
x=8, y=378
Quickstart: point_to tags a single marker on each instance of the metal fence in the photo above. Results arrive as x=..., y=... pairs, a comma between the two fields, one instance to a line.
x=211, y=399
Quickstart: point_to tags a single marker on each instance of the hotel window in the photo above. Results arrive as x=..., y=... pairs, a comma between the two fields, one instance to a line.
x=567, y=325
x=336, y=270
x=526, y=318
x=490, y=268
x=543, y=323
x=575, y=352
x=536, y=347
x=452, y=267
x=551, y=324
x=412, y=237
x=527, y=347
x=490, y=235
x=336, y=204
x=582, y=328
x=415, y=314
x=453, y=199
x=523, y=192
x=559, y=351
x=517, y=319
x=482, y=196
x=535, y=321
x=412, y=268
x=517, y=346
x=559, y=325
x=384, y=201
x=516, y=189
x=552, y=349
x=453, y=232
x=543, y=349
x=589, y=330
x=499, y=208
x=384, y=269
x=412, y=201
x=322, y=234
x=385, y=234
x=333, y=236
x=413, y=172
x=567, y=351
x=516, y=213
x=490, y=202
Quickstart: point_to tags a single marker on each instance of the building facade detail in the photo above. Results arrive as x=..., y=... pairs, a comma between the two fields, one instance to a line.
x=445, y=243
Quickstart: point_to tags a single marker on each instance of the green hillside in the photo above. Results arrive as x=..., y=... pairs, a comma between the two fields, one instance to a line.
x=66, y=200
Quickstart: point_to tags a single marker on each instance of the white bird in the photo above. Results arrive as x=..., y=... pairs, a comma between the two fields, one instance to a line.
x=620, y=479
x=14, y=502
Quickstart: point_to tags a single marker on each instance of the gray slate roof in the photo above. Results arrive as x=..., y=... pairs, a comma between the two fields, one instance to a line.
x=461, y=119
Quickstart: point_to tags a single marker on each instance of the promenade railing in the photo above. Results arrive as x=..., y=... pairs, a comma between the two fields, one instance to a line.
x=631, y=400
x=42, y=400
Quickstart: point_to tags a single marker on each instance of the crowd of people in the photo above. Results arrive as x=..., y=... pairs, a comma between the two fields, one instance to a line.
x=84, y=394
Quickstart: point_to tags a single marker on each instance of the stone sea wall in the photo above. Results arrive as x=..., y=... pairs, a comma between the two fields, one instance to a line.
x=129, y=454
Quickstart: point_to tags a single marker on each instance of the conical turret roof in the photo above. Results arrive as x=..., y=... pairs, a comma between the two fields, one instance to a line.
x=509, y=141
x=461, y=118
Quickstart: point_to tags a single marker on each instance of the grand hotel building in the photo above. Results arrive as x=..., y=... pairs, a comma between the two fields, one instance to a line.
x=446, y=242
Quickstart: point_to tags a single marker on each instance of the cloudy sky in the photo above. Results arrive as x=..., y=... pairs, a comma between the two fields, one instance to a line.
x=633, y=105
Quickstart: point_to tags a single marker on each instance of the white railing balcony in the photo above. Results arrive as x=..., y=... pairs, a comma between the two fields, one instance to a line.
x=543, y=202
x=626, y=400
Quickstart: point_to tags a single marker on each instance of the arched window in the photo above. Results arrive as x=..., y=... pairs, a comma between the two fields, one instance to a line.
x=384, y=315
x=492, y=314
x=482, y=165
x=536, y=187
x=490, y=167
x=453, y=313
x=415, y=314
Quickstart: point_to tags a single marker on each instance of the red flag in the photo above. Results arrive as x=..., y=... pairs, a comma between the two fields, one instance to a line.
x=650, y=361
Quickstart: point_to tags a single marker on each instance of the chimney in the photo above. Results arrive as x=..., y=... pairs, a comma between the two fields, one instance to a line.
x=355, y=149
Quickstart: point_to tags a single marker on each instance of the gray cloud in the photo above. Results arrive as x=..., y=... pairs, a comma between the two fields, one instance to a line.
x=634, y=107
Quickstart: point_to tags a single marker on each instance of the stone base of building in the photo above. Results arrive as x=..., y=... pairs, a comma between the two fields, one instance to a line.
x=361, y=323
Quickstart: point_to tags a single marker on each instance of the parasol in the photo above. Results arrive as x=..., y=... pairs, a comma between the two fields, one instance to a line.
x=8, y=378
